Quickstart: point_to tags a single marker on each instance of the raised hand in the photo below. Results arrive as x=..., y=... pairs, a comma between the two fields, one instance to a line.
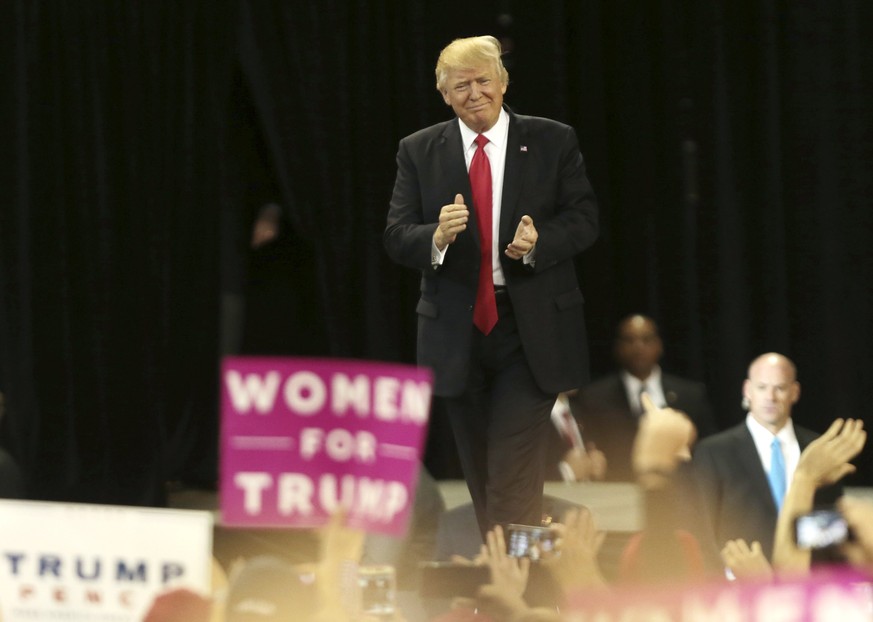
x=746, y=562
x=663, y=439
x=453, y=220
x=525, y=238
x=502, y=598
x=859, y=515
x=826, y=459
x=579, y=542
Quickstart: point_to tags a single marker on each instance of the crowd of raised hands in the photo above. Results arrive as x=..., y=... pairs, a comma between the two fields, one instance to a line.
x=573, y=567
x=825, y=461
x=662, y=445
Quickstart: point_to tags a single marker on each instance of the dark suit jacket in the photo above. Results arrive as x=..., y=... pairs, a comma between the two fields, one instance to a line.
x=545, y=178
x=733, y=493
x=606, y=417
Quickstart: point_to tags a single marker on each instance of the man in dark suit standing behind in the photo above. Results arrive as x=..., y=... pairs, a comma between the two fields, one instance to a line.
x=609, y=408
x=492, y=207
x=742, y=474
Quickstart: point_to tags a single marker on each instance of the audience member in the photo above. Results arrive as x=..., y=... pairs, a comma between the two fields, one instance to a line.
x=571, y=459
x=270, y=589
x=859, y=515
x=661, y=445
x=746, y=561
x=579, y=543
x=503, y=597
x=419, y=543
x=665, y=549
x=823, y=462
x=458, y=537
x=609, y=408
x=741, y=474
x=181, y=605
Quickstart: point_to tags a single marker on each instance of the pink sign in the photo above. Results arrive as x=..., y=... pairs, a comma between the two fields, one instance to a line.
x=839, y=595
x=303, y=437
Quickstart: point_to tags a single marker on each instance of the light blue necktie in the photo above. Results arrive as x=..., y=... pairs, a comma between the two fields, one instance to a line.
x=776, y=476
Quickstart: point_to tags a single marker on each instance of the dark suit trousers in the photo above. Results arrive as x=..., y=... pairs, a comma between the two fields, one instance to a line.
x=501, y=424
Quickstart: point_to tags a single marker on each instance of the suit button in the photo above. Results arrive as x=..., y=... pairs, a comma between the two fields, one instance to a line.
x=470, y=308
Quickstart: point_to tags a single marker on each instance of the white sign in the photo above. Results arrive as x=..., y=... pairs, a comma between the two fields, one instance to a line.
x=64, y=561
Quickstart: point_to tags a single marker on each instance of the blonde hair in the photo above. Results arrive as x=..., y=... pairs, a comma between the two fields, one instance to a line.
x=470, y=53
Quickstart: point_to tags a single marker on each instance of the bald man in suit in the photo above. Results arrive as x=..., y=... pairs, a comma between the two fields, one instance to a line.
x=492, y=207
x=731, y=468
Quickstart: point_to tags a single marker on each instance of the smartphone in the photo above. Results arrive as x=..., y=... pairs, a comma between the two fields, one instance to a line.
x=529, y=541
x=450, y=579
x=378, y=590
x=821, y=529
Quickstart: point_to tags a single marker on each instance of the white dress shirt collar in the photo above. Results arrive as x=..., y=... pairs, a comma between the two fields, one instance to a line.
x=497, y=135
x=652, y=384
x=787, y=439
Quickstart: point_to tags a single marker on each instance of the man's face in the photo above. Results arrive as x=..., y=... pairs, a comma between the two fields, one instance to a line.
x=772, y=390
x=638, y=347
x=476, y=96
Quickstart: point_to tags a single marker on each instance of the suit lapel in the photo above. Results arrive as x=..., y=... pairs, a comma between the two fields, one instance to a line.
x=451, y=158
x=620, y=395
x=671, y=395
x=513, y=173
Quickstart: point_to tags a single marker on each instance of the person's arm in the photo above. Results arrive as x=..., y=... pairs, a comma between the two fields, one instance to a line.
x=409, y=238
x=746, y=561
x=578, y=542
x=267, y=224
x=583, y=466
x=572, y=224
x=824, y=461
x=859, y=515
x=662, y=442
x=502, y=598
x=341, y=550
x=661, y=446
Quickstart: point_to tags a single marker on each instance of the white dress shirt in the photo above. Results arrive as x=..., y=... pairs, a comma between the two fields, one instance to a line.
x=495, y=149
x=787, y=440
x=652, y=385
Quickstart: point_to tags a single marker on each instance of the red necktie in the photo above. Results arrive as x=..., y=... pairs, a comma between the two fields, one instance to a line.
x=485, y=311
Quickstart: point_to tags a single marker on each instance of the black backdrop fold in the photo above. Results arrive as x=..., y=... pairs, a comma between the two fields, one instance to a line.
x=730, y=145
x=109, y=239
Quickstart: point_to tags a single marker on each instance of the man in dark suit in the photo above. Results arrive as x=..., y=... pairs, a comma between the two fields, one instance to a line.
x=609, y=408
x=500, y=319
x=732, y=469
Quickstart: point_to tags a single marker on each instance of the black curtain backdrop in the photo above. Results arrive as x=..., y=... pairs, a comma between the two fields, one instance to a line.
x=109, y=240
x=729, y=143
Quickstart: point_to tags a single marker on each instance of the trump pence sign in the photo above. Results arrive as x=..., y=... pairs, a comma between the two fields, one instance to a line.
x=97, y=563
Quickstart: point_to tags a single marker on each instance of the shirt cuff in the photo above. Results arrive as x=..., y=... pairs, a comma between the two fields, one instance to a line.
x=436, y=255
x=530, y=259
x=566, y=472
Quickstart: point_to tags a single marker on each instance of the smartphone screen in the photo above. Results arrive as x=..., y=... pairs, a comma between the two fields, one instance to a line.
x=820, y=529
x=529, y=541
